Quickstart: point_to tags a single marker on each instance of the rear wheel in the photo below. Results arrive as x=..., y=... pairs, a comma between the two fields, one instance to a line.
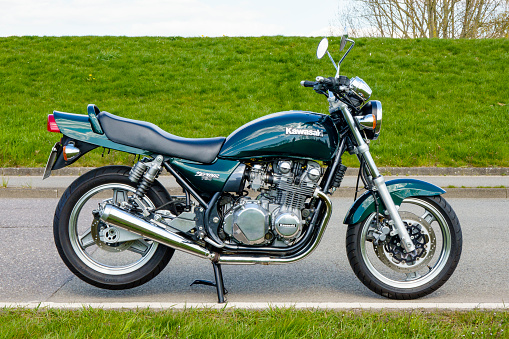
x=384, y=266
x=102, y=254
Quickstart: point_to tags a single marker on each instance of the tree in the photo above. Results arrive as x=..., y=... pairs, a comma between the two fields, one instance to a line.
x=471, y=19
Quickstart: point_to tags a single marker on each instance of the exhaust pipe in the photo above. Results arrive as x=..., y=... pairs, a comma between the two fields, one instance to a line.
x=115, y=216
x=306, y=251
x=118, y=217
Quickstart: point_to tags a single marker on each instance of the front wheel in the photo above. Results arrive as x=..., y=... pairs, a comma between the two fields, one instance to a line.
x=383, y=265
x=92, y=249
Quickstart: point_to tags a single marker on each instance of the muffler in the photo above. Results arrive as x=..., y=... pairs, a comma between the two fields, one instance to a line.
x=118, y=217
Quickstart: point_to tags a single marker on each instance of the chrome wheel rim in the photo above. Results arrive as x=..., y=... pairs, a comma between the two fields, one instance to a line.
x=408, y=278
x=128, y=257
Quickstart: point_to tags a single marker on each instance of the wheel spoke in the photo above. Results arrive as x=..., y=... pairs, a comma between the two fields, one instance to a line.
x=387, y=268
x=139, y=246
x=111, y=259
x=412, y=276
x=119, y=196
x=86, y=239
x=428, y=217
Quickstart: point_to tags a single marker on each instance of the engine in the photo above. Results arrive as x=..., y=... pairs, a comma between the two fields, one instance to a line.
x=279, y=213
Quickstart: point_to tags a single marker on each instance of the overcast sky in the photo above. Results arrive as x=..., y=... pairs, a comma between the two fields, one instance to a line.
x=167, y=17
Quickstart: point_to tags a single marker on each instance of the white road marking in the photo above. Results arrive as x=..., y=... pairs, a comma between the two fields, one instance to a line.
x=260, y=305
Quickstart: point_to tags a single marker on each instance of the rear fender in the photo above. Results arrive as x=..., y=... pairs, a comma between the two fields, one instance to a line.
x=79, y=128
x=60, y=162
x=399, y=189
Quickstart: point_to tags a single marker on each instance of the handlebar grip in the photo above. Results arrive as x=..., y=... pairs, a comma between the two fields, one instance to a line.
x=307, y=83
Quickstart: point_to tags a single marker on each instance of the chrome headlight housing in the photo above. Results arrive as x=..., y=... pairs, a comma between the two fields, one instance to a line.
x=361, y=89
x=370, y=119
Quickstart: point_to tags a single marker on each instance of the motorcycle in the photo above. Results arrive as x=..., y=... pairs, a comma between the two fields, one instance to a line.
x=259, y=196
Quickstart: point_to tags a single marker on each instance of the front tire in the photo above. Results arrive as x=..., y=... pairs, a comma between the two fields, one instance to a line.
x=79, y=235
x=389, y=271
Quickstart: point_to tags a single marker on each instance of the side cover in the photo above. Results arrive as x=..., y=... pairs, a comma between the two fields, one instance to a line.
x=399, y=190
x=222, y=175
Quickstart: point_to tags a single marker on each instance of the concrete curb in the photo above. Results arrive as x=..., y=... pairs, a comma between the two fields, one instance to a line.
x=43, y=193
x=386, y=171
x=347, y=192
x=476, y=183
x=260, y=306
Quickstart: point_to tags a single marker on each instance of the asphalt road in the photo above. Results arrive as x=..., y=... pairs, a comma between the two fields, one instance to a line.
x=31, y=270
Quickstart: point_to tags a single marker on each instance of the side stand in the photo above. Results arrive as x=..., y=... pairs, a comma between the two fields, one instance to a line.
x=218, y=275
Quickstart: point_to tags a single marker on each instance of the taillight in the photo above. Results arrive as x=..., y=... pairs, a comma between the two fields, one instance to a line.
x=52, y=124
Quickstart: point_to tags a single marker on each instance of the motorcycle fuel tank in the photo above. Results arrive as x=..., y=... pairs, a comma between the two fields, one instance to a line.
x=292, y=134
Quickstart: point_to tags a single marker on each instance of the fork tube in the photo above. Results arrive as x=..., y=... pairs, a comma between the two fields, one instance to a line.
x=378, y=180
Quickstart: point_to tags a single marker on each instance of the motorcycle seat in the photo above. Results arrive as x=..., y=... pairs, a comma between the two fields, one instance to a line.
x=145, y=135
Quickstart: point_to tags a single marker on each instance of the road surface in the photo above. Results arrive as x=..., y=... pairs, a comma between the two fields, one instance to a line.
x=32, y=271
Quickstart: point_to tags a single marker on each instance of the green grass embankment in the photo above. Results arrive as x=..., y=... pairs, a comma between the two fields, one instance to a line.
x=272, y=323
x=445, y=102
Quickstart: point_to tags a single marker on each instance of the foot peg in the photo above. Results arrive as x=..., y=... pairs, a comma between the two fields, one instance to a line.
x=218, y=275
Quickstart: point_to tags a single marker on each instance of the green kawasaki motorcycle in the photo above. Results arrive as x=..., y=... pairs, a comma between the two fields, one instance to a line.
x=259, y=196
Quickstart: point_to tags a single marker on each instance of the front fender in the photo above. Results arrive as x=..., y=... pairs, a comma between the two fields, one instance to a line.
x=399, y=190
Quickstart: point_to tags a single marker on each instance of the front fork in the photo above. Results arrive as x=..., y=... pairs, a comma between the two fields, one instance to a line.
x=378, y=181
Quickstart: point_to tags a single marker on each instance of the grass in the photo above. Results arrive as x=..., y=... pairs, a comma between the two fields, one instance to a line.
x=27, y=184
x=272, y=323
x=444, y=100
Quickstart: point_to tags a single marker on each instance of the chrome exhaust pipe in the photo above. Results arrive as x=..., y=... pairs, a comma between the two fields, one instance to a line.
x=118, y=217
x=240, y=259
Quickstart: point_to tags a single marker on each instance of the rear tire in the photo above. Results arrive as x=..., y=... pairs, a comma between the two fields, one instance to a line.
x=383, y=269
x=106, y=265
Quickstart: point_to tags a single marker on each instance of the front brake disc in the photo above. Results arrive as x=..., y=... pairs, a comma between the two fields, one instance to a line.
x=391, y=252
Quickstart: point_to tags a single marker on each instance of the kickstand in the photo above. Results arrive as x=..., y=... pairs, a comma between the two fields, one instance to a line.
x=218, y=275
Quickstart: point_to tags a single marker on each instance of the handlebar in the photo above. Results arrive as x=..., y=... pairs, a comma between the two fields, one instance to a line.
x=331, y=84
x=322, y=85
x=307, y=83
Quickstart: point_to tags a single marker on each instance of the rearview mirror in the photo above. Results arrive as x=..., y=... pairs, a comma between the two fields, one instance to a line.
x=343, y=42
x=322, y=48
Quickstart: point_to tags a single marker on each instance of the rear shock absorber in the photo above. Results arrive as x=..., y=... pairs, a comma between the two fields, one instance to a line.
x=151, y=170
x=137, y=171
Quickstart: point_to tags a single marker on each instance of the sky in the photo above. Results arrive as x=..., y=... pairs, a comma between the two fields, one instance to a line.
x=168, y=17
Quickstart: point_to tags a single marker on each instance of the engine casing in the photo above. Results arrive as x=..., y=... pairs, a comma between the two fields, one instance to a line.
x=276, y=215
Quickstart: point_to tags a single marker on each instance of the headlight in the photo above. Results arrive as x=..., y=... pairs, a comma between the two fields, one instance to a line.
x=360, y=89
x=370, y=119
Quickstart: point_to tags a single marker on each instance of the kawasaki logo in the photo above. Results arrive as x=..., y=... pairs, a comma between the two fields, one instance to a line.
x=301, y=131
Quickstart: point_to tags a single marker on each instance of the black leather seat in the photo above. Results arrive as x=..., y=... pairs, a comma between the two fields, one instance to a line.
x=148, y=136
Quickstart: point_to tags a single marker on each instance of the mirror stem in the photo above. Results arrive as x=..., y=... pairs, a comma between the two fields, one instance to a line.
x=333, y=62
x=344, y=56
